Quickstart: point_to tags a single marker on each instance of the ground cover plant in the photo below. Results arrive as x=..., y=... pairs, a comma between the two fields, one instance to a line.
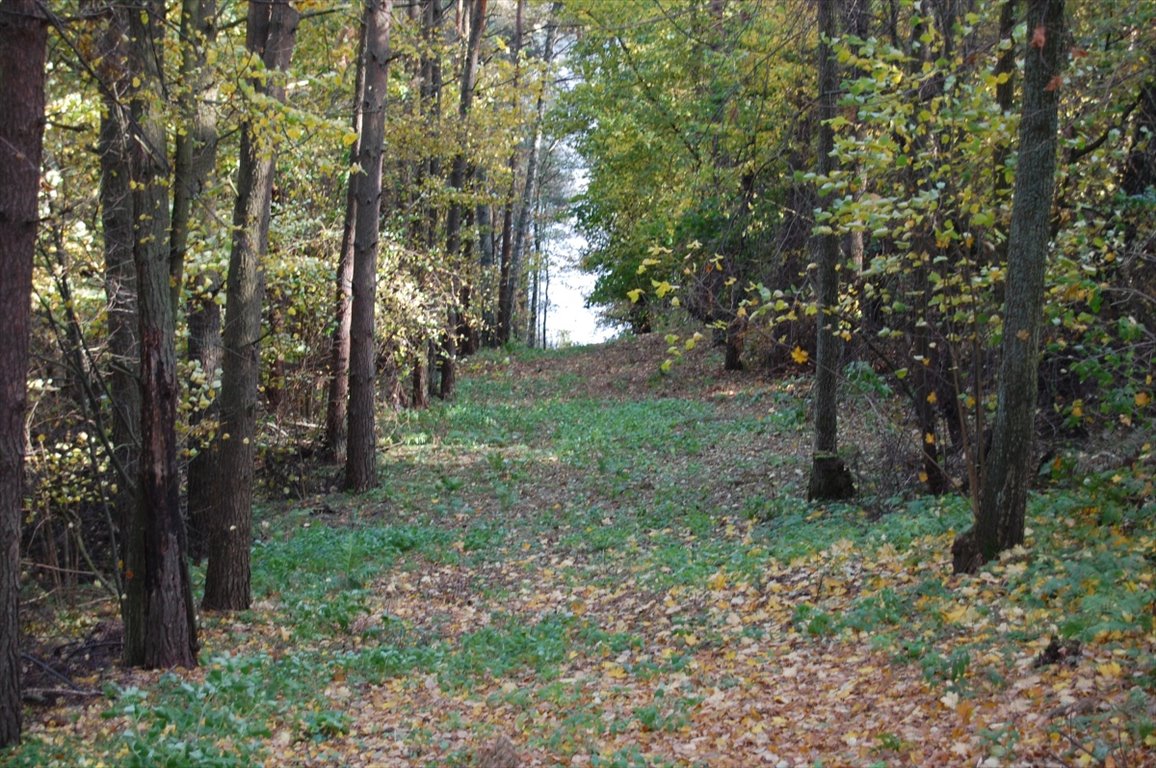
x=581, y=561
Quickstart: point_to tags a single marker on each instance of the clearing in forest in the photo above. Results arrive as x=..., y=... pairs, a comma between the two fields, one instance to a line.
x=583, y=562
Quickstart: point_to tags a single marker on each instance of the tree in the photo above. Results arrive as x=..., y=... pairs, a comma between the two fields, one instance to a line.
x=829, y=477
x=120, y=288
x=194, y=162
x=165, y=602
x=459, y=334
x=23, y=39
x=361, y=458
x=269, y=39
x=337, y=400
x=530, y=189
x=1008, y=470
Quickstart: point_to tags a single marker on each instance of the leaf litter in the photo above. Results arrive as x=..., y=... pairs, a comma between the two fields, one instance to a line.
x=557, y=619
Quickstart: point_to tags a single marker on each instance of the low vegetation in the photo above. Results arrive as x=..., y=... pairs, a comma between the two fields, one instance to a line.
x=607, y=566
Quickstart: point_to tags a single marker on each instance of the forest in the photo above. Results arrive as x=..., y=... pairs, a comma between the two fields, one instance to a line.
x=297, y=467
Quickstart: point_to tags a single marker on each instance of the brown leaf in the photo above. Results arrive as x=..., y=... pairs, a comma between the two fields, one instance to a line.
x=1039, y=37
x=1054, y=83
x=499, y=753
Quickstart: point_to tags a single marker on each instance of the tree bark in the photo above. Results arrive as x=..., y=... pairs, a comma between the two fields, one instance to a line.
x=120, y=285
x=170, y=635
x=507, y=279
x=361, y=458
x=195, y=159
x=829, y=477
x=271, y=32
x=23, y=40
x=1008, y=470
x=530, y=189
x=337, y=403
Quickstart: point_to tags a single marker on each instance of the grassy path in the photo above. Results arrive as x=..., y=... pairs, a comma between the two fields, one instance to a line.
x=581, y=563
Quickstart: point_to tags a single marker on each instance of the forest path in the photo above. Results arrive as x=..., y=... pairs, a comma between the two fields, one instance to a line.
x=643, y=586
x=583, y=562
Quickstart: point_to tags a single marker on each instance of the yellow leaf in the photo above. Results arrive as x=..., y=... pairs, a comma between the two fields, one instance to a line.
x=1142, y=399
x=717, y=581
x=929, y=438
x=634, y=295
x=1110, y=669
x=800, y=355
x=349, y=139
x=1077, y=408
x=932, y=398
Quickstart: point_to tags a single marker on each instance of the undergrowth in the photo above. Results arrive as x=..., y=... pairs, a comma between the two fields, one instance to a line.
x=528, y=488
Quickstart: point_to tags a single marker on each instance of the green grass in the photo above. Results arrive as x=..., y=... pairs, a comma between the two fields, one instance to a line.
x=636, y=490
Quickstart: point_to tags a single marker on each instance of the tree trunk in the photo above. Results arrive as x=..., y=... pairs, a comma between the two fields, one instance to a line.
x=196, y=157
x=457, y=330
x=829, y=477
x=271, y=31
x=120, y=285
x=170, y=635
x=361, y=458
x=1008, y=471
x=23, y=39
x=530, y=189
x=507, y=278
x=337, y=404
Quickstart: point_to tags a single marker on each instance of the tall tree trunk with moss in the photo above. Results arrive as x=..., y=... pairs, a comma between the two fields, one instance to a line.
x=829, y=476
x=272, y=28
x=23, y=41
x=361, y=458
x=1009, y=469
x=170, y=634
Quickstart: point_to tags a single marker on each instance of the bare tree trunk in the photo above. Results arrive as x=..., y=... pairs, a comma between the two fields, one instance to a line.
x=530, y=189
x=170, y=635
x=271, y=32
x=23, y=39
x=457, y=331
x=1008, y=470
x=829, y=477
x=120, y=285
x=337, y=406
x=361, y=458
x=507, y=278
